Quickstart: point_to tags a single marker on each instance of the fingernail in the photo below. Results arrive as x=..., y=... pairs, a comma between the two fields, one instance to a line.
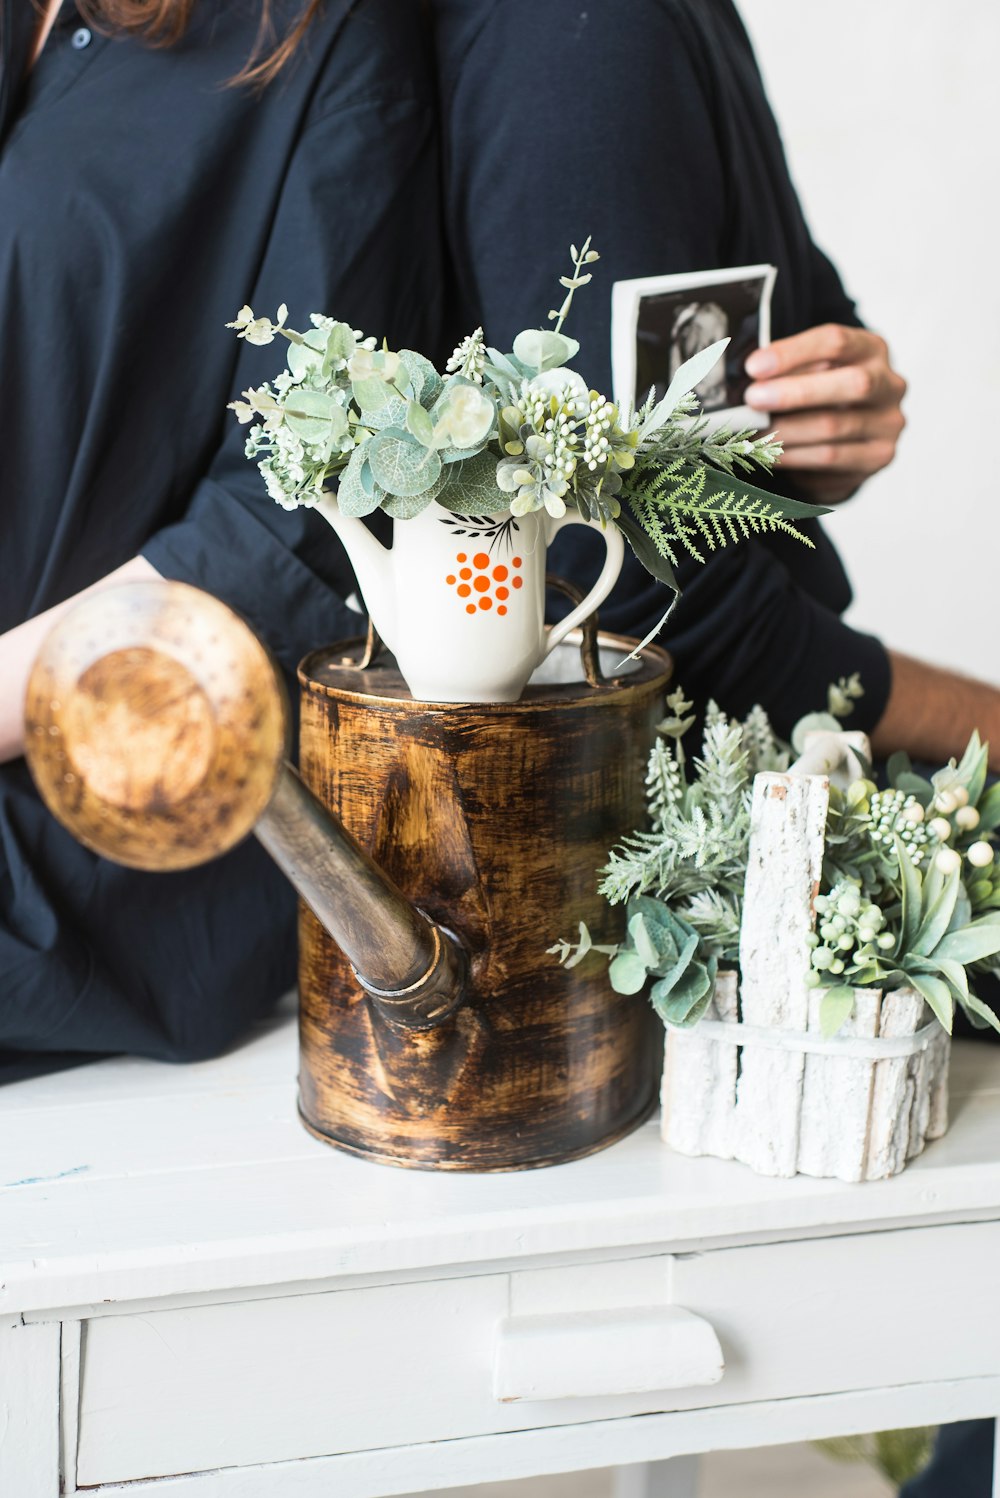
x=761, y=362
x=760, y=395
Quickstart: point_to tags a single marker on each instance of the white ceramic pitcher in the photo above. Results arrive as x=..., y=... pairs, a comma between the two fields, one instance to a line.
x=460, y=599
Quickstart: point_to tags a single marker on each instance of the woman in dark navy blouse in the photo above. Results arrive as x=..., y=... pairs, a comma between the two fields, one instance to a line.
x=143, y=198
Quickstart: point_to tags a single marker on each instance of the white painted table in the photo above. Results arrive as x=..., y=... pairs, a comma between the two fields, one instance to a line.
x=200, y=1300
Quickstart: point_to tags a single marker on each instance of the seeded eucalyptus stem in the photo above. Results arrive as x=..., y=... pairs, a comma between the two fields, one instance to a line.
x=583, y=257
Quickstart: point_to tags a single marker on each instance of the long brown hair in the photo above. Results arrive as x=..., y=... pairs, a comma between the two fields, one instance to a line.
x=161, y=23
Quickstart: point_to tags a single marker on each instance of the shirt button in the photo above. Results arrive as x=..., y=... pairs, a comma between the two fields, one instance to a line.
x=81, y=38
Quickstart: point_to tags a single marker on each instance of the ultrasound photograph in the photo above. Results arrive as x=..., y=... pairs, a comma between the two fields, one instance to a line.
x=658, y=323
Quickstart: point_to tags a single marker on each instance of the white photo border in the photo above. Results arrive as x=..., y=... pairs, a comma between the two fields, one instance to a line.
x=626, y=297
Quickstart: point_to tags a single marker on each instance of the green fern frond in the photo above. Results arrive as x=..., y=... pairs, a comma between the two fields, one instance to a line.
x=680, y=509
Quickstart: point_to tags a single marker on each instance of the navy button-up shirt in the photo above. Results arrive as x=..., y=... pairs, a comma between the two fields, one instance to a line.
x=142, y=202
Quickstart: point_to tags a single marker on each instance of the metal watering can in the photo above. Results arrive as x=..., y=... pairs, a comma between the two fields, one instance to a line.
x=438, y=849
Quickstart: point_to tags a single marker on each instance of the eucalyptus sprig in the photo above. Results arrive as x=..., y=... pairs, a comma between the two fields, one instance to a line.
x=520, y=430
x=910, y=890
x=682, y=880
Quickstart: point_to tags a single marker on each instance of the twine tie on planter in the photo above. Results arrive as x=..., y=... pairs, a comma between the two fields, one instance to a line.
x=870, y=1048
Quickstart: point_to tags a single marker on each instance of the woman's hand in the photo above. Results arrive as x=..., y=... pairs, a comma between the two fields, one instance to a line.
x=835, y=401
x=20, y=646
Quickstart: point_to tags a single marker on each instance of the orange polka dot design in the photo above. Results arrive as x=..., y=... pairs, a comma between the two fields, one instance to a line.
x=484, y=586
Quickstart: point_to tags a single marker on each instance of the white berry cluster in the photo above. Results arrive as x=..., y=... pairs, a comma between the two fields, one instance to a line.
x=469, y=358
x=850, y=934
x=598, y=426
x=955, y=818
x=547, y=433
x=893, y=814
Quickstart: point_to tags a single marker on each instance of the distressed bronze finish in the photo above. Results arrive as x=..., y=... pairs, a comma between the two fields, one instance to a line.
x=156, y=725
x=156, y=731
x=493, y=821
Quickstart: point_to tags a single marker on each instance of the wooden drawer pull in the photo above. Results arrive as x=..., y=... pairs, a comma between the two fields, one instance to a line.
x=586, y=1354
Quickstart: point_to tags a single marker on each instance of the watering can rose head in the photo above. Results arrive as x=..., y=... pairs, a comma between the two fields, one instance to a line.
x=518, y=432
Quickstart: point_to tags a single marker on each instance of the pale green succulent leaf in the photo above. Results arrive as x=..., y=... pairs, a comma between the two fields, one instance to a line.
x=372, y=392
x=302, y=359
x=425, y=382
x=539, y=349
x=683, y=1003
x=471, y=486
x=953, y=973
x=406, y=506
x=643, y=942
x=315, y=416
x=627, y=973
x=911, y=896
x=939, y=895
x=419, y=423
x=938, y=995
x=980, y=939
x=835, y=1009
x=981, y=1015
x=400, y=465
x=989, y=810
x=357, y=493
x=690, y=374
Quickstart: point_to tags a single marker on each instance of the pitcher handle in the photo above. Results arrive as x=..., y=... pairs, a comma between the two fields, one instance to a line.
x=614, y=557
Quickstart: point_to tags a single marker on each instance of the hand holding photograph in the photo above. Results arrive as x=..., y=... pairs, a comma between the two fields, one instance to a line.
x=659, y=322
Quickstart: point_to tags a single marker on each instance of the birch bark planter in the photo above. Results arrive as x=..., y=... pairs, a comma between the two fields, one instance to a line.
x=756, y=1081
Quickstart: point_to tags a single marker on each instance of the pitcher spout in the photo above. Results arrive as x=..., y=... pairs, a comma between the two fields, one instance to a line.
x=372, y=566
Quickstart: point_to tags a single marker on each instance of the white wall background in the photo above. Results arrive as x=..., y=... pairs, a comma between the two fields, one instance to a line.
x=889, y=111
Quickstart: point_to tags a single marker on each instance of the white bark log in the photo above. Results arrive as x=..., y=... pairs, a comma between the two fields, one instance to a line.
x=837, y=1096
x=937, y=1122
x=893, y=1092
x=699, y=1083
x=788, y=822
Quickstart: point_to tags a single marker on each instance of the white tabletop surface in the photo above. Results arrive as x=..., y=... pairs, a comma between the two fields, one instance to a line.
x=129, y=1179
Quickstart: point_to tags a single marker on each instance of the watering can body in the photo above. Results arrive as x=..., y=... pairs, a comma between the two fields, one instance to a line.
x=493, y=821
x=439, y=849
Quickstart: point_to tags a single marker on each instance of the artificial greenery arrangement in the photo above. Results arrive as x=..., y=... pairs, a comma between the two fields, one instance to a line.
x=910, y=893
x=518, y=431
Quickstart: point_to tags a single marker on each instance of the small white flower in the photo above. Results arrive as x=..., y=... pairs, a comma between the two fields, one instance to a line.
x=367, y=361
x=465, y=416
x=564, y=383
x=469, y=358
x=259, y=332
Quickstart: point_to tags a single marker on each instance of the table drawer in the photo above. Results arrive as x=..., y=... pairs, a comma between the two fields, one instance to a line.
x=195, y=1388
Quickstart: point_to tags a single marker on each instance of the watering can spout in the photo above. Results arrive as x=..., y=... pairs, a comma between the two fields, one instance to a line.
x=413, y=970
x=176, y=750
